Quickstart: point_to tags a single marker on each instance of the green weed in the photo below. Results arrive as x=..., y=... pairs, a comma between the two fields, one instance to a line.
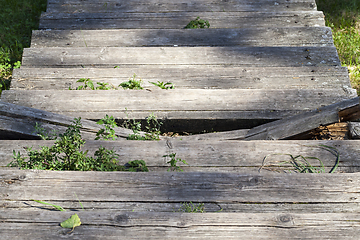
x=66, y=154
x=88, y=83
x=108, y=132
x=163, y=85
x=132, y=84
x=191, y=208
x=152, y=128
x=197, y=23
x=173, y=162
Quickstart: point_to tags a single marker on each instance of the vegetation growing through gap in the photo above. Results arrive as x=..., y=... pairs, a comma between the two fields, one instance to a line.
x=197, y=23
x=66, y=154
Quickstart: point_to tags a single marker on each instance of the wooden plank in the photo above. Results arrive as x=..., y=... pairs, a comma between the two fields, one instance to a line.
x=292, y=126
x=19, y=121
x=180, y=187
x=354, y=129
x=177, y=20
x=184, y=5
x=180, y=103
x=302, y=36
x=232, y=156
x=241, y=56
x=187, y=76
x=209, y=207
x=128, y=225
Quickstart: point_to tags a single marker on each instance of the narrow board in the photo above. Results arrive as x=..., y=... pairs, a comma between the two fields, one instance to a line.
x=179, y=187
x=302, y=36
x=178, y=103
x=44, y=224
x=241, y=56
x=186, y=76
x=214, y=155
x=177, y=20
x=179, y=6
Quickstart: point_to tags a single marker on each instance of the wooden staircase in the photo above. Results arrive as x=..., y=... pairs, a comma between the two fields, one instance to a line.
x=260, y=61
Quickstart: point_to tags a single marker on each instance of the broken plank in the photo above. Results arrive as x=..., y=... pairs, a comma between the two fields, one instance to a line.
x=177, y=103
x=295, y=36
x=177, y=20
x=20, y=121
x=182, y=6
x=240, y=56
x=292, y=126
x=186, y=76
x=214, y=155
x=179, y=187
x=158, y=225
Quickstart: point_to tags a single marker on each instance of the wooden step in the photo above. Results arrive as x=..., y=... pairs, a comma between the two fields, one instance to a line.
x=178, y=20
x=187, y=76
x=165, y=187
x=110, y=224
x=178, y=6
x=179, y=103
x=302, y=36
x=216, y=156
x=241, y=56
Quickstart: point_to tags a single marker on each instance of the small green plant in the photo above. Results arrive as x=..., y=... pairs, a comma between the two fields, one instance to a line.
x=163, y=85
x=65, y=154
x=152, y=128
x=173, y=162
x=49, y=204
x=43, y=134
x=191, y=208
x=88, y=83
x=108, y=132
x=197, y=23
x=132, y=84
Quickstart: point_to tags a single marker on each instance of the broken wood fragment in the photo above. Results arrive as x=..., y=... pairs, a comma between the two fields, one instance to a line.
x=289, y=127
x=18, y=122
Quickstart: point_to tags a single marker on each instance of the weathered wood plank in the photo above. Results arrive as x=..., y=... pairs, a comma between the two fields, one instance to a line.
x=19, y=121
x=177, y=20
x=243, y=56
x=179, y=187
x=292, y=126
x=354, y=129
x=310, y=36
x=187, y=76
x=213, y=154
x=178, y=103
x=128, y=225
x=184, y=5
x=173, y=206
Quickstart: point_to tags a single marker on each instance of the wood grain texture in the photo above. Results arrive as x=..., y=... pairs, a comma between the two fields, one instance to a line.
x=173, y=104
x=214, y=155
x=178, y=20
x=302, y=36
x=20, y=120
x=126, y=225
x=179, y=6
x=179, y=187
x=187, y=76
x=292, y=126
x=241, y=56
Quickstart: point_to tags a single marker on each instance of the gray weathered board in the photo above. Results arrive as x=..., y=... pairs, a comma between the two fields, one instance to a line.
x=179, y=103
x=179, y=6
x=18, y=122
x=177, y=20
x=214, y=155
x=187, y=76
x=348, y=110
x=241, y=56
x=110, y=224
x=296, y=36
